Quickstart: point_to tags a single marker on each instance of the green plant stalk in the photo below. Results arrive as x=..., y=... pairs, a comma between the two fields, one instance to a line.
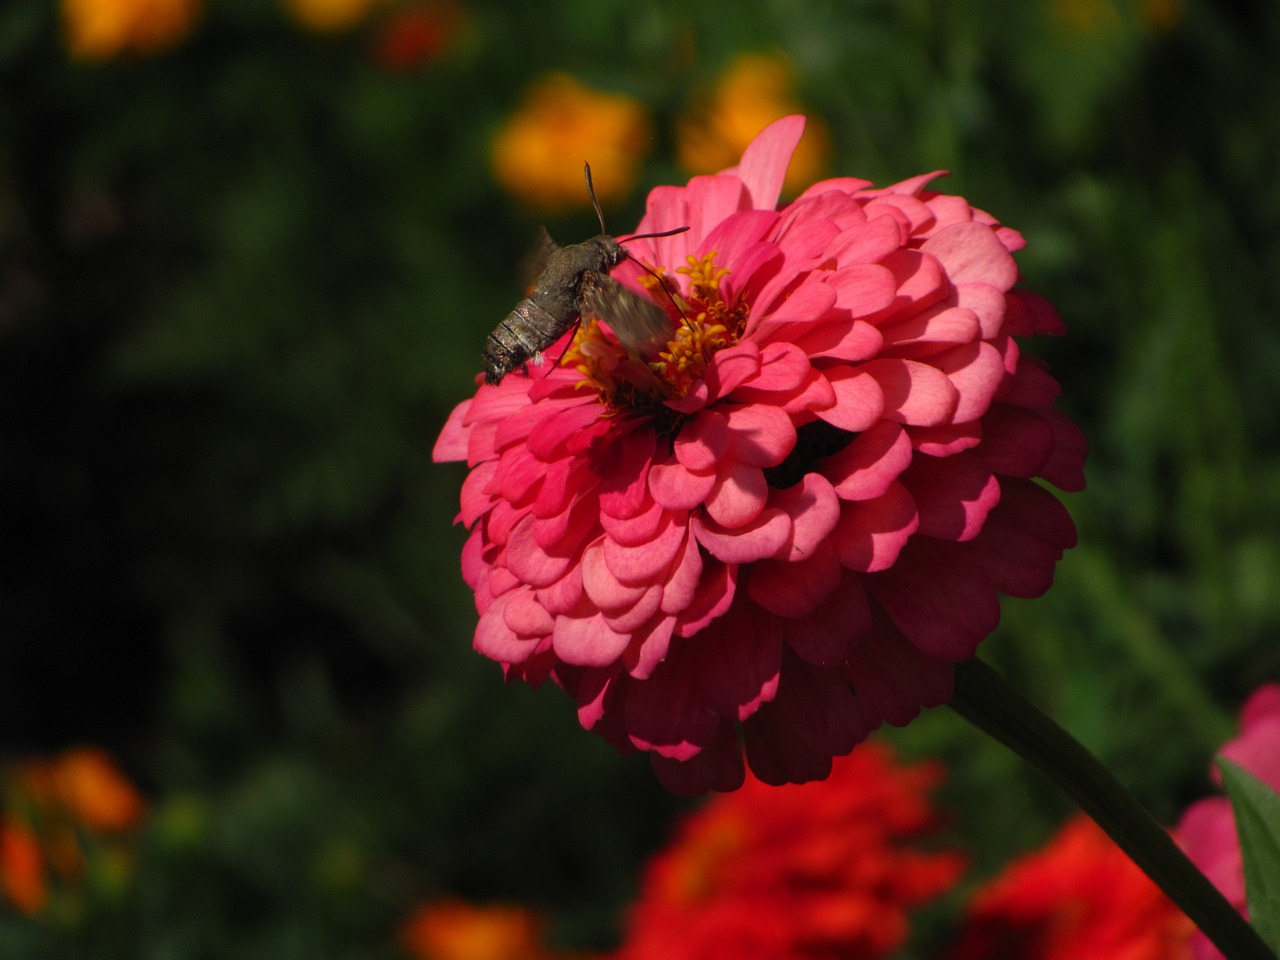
x=990, y=703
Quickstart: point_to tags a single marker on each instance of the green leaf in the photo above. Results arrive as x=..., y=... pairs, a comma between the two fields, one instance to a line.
x=1257, y=810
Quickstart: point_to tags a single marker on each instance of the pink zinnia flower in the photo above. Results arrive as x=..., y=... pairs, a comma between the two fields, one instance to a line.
x=784, y=526
x=1207, y=830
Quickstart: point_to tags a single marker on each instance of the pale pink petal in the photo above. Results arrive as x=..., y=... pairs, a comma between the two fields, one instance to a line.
x=525, y=615
x=738, y=495
x=677, y=488
x=703, y=441
x=712, y=600
x=762, y=537
x=860, y=400
x=759, y=435
x=498, y=641
x=914, y=393
x=638, y=529
x=530, y=562
x=972, y=253
x=587, y=641
x=681, y=585
x=632, y=618
x=602, y=586
x=868, y=242
x=814, y=509
x=649, y=648
x=641, y=564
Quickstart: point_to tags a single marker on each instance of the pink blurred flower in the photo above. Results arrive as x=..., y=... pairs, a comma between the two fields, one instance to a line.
x=1207, y=830
x=789, y=521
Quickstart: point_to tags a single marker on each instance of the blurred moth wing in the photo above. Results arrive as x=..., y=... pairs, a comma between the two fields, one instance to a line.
x=641, y=326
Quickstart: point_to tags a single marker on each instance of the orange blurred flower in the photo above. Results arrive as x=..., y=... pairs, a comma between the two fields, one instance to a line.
x=89, y=786
x=101, y=29
x=329, y=16
x=824, y=869
x=1079, y=896
x=453, y=930
x=416, y=34
x=22, y=868
x=538, y=154
x=754, y=91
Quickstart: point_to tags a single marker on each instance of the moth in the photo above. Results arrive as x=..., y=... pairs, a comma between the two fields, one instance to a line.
x=574, y=281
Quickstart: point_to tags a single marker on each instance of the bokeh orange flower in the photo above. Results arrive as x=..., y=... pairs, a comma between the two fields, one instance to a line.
x=824, y=869
x=329, y=16
x=538, y=154
x=454, y=930
x=22, y=873
x=61, y=815
x=1079, y=896
x=755, y=90
x=102, y=29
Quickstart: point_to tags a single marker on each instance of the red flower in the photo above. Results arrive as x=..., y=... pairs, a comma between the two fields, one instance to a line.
x=794, y=516
x=822, y=870
x=1207, y=830
x=1081, y=896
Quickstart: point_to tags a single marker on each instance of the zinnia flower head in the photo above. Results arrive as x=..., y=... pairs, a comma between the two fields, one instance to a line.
x=101, y=29
x=561, y=118
x=1207, y=830
x=784, y=525
x=1080, y=896
x=825, y=869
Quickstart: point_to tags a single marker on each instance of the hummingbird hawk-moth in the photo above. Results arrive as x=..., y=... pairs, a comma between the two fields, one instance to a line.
x=574, y=281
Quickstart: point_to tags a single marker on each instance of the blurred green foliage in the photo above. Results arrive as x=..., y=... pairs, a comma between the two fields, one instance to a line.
x=243, y=282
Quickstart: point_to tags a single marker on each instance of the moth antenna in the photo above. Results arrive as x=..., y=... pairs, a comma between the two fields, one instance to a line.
x=650, y=236
x=573, y=332
x=591, y=192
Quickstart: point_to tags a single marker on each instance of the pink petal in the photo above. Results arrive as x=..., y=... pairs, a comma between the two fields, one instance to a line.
x=946, y=439
x=587, y=641
x=760, y=435
x=714, y=595
x=1023, y=539
x=454, y=437
x=738, y=495
x=953, y=496
x=914, y=393
x=814, y=510
x=530, y=562
x=868, y=242
x=976, y=371
x=677, y=488
x=795, y=588
x=761, y=537
x=668, y=712
x=848, y=340
x=894, y=679
x=738, y=662
x=941, y=601
x=648, y=649
x=624, y=471
x=563, y=595
x=718, y=766
x=703, y=441
x=643, y=563
x=972, y=253
x=682, y=582
x=1065, y=469
x=630, y=619
x=860, y=400
x=987, y=304
x=764, y=162
x=635, y=530
x=526, y=616
x=497, y=641
x=783, y=367
x=920, y=280
x=731, y=367
x=872, y=533
x=831, y=632
x=602, y=586
x=805, y=305
x=864, y=289
x=1015, y=441
x=864, y=469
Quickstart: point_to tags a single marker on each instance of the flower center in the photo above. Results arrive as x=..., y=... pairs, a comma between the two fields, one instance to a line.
x=703, y=324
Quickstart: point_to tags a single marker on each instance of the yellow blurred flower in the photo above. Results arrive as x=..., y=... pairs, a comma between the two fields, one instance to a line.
x=453, y=930
x=754, y=91
x=22, y=868
x=329, y=16
x=101, y=29
x=537, y=156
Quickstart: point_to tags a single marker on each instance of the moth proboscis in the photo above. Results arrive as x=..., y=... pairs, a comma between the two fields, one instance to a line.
x=574, y=281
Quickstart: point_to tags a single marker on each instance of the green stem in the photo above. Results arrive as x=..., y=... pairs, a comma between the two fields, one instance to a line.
x=987, y=700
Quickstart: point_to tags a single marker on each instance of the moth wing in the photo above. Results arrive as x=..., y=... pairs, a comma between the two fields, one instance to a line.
x=640, y=325
x=536, y=260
